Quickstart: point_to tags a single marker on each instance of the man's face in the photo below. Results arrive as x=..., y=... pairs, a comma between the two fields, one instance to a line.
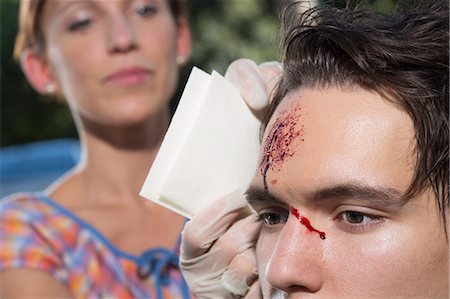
x=335, y=163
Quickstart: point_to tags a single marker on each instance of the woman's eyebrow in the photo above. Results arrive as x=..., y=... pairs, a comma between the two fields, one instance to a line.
x=65, y=5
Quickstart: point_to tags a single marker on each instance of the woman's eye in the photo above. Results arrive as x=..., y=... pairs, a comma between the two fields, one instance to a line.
x=271, y=218
x=79, y=25
x=146, y=10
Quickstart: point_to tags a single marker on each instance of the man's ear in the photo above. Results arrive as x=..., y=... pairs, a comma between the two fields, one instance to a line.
x=183, y=39
x=37, y=72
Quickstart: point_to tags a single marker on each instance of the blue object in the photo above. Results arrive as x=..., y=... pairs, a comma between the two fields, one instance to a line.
x=33, y=166
x=153, y=262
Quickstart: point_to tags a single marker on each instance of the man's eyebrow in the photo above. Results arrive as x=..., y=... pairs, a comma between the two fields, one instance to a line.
x=377, y=195
x=256, y=194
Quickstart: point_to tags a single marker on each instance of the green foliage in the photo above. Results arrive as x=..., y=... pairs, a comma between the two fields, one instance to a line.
x=224, y=30
x=234, y=28
x=25, y=116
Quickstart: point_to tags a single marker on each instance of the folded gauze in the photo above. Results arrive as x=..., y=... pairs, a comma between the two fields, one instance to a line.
x=210, y=149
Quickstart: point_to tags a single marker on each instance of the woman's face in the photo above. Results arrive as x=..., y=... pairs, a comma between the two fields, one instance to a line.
x=114, y=61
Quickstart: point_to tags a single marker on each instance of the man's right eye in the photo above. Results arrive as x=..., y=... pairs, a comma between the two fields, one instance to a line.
x=272, y=218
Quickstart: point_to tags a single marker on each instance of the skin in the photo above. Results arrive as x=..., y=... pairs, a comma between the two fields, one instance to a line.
x=377, y=245
x=120, y=124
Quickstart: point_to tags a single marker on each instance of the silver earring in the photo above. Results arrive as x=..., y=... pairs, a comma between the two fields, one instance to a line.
x=180, y=60
x=50, y=88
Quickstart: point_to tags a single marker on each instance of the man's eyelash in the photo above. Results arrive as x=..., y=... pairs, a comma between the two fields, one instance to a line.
x=358, y=227
x=272, y=218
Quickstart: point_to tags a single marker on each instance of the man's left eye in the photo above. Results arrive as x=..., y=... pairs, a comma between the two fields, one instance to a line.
x=358, y=222
x=353, y=217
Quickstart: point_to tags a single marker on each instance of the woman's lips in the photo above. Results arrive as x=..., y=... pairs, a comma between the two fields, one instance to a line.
x=128, y=76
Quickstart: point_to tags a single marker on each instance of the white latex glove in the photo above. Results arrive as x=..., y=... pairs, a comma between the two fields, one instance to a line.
x=217, y=251
x=218, y=246
x=255, y=82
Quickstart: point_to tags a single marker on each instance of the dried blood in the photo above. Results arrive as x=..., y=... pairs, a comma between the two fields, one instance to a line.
x=279, y=144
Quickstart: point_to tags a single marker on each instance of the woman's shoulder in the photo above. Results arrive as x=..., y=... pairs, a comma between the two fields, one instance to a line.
x=28, y=235
x=24, y=207
x=33, y=218
x=28, y=212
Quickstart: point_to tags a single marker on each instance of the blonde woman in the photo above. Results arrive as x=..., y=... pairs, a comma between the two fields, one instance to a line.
x=90, y=235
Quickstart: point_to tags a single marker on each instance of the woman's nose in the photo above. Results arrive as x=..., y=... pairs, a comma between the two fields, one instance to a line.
x=296, y=262
x=122, y=35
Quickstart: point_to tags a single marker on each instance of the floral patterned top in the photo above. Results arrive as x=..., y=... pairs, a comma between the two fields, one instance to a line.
x=37, y=233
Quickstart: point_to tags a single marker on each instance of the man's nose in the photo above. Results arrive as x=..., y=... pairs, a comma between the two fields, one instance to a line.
x=121, y=35
x=296, y=263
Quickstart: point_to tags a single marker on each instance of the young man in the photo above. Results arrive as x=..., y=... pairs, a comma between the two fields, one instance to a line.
x=352, y=186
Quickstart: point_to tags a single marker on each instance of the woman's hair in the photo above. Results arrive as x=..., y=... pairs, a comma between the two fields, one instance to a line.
x=403, y=56
x=30, y=34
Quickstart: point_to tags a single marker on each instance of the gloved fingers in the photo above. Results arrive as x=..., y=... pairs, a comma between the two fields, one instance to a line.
x=226, y=270
x=220, y=238
x=238, y=238
x=246, y=76
x=205, y=228
x=241, y=273
x=271, y=74
x=255, y=291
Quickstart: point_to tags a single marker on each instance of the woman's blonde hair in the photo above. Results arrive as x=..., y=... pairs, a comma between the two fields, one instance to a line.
x=29, y=34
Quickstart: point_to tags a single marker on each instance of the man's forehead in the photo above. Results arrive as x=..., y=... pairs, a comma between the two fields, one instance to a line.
x=339, y=105
x=346, y=134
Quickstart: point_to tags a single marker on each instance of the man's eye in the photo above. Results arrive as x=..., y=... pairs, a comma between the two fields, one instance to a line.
x=271, y=218
x=353, y=217
x=357, y=222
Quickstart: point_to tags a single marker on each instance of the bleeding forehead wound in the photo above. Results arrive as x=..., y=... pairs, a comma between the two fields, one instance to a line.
x=281, y=141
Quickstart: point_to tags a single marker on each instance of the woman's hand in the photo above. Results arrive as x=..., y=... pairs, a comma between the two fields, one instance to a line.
x=255, y=82
x=217, y=251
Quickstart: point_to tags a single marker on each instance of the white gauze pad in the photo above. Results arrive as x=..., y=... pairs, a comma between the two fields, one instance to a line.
x=210, y=150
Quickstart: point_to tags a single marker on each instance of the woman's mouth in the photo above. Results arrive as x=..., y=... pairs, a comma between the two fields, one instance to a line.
x=128, y=77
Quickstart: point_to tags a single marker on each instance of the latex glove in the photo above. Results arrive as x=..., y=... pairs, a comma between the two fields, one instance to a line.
x=255, y=82
x=217, y=255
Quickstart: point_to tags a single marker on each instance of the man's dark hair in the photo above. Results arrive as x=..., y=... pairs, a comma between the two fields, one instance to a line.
x=404, y=56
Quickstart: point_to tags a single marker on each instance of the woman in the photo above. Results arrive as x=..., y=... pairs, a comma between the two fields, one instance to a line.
x=90, y=234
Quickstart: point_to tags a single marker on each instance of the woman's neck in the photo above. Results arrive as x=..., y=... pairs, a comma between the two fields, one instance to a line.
x=115, y=161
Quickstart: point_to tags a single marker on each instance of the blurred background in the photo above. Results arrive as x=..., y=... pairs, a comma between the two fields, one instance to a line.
x=37, y=135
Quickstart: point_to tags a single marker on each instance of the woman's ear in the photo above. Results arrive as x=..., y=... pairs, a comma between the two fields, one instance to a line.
x=38, y=72
x=183, y=40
